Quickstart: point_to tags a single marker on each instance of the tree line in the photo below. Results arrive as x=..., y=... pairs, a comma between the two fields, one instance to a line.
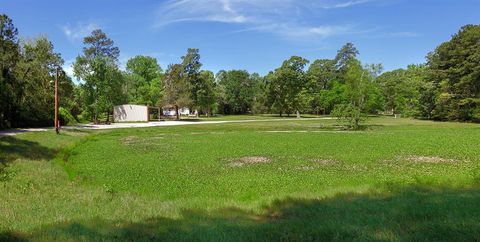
x=445, y=87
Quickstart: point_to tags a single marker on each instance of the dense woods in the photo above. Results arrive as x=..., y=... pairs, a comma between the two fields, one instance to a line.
x=446, y=87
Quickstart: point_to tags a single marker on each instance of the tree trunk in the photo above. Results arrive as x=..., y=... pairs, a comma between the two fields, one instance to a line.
x=108, y=117
x=176, y=113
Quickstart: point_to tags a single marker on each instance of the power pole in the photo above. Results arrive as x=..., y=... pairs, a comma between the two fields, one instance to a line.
x=57, y=130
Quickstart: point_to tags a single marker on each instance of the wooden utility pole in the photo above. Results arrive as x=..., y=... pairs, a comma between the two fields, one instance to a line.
x=57, y=130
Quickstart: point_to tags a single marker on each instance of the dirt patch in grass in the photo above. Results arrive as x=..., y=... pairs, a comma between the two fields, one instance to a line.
x=312, y=131
x=429, y=159
x=323, y=161
x=206, y=133
x=135, y=140
x=248, y=160
x=416, y=159
x=130, y=140
x=147, y=144
x=306, y=168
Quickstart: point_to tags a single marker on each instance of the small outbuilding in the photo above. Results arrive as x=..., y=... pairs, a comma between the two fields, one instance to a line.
x=130, y=113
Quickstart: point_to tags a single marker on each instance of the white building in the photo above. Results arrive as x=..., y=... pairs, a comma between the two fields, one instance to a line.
x=141, y=113
x=130, y=113
x=171, y=111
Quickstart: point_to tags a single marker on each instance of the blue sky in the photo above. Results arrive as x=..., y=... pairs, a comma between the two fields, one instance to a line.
x=256, y=35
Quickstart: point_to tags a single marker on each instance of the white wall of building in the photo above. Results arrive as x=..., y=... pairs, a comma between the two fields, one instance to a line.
x=130, y=113
x=171, y=111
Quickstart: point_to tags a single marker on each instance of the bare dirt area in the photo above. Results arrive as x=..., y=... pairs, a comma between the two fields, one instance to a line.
x=248, y=160
x=429, y=159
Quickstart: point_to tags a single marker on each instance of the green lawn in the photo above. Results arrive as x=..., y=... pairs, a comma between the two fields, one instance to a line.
x=396, y=179
x=220, y=117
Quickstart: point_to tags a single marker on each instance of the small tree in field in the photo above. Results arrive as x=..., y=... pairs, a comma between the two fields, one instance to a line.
x=348, y=115
x=356, y=83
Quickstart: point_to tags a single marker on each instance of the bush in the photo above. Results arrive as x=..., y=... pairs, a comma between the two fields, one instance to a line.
x=66, y=117
x=349, y=115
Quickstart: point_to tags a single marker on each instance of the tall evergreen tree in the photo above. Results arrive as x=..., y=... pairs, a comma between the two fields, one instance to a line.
x=177, y=88
x=9, y=87
x=97, y=67
x=191, y=67
x=454, y=72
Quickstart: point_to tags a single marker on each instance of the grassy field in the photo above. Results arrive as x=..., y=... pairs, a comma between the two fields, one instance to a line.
x=219, y=117
x=396, y=179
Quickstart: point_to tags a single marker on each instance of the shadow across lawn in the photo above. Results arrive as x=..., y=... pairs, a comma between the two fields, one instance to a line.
x=12, y=148
x=406, y=214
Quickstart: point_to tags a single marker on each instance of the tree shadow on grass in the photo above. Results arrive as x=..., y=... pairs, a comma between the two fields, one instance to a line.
x=12, y=148
x=406, y=214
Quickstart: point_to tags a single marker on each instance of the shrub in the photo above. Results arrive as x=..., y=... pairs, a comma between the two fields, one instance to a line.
x=349, y=115
x=66, y=117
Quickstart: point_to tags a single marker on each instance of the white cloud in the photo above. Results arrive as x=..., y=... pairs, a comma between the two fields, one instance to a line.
x=293, y=31
x=283, y=17
x=68, y=67
x=79, y=30
x=346, y=4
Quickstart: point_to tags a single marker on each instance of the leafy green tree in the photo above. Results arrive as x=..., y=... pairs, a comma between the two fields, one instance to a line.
x=177, y=88
x=328, y=98
x=259, y=105
x=320, y=76
x=143, y=81
x=374, y=102
x=236, y=91
x=9, y=56
x=286, y=84
x=344, y=56
x=401, y=90
x=356, y=83
x=37, y=69
x=99, y=45
x=191, y=67
x=102, y=79
x=453, y=71
x=27, y=70
x=206, y=92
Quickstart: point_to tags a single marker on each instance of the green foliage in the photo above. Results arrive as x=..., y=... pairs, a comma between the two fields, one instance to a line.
x=446, y=88
x=66, y=118
x=348, y=115
x=236, y=91
x=357, y=89
x=454, y=74
x=286, y=84
x=344, y=56
x=143, y=83
x=402, y=90
x=28, y=69
x=320, y=77
x=206, y=92
x=9, y=56
x=102, y=80
x=176, y=88
x=191, y=66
